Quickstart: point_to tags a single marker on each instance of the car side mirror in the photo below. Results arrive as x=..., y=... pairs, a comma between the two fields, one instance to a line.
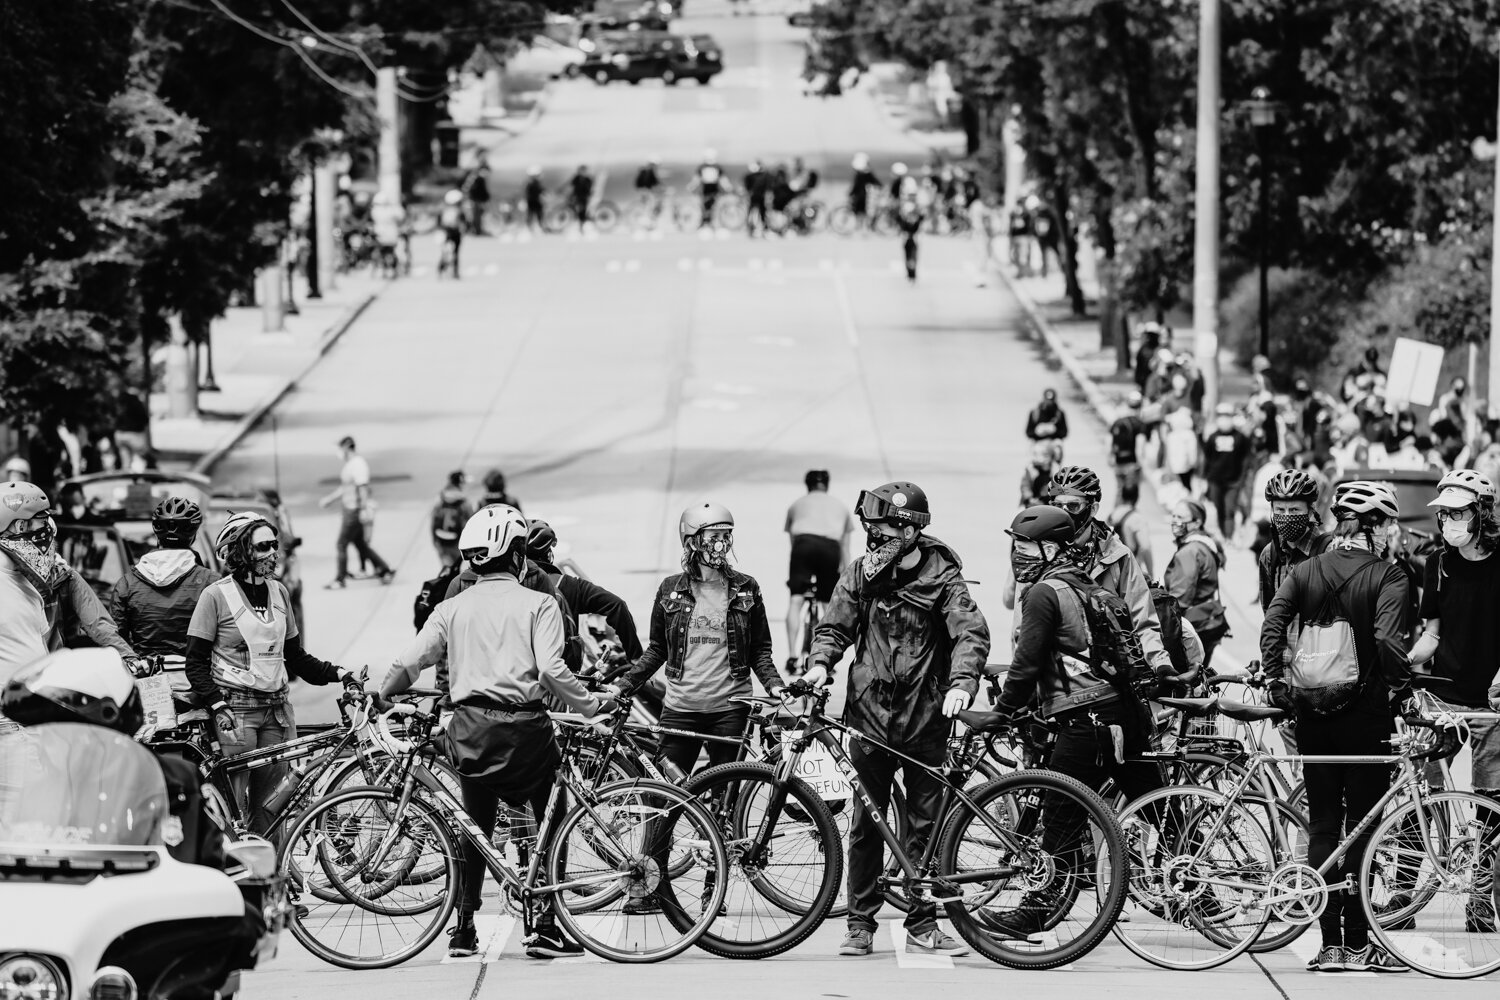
x=256, y=854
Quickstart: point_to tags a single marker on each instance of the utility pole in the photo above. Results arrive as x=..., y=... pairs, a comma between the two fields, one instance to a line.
x=326, y=199
x=272, y=303
x=1206, y=253
x=388, y=107
x=1492, y=392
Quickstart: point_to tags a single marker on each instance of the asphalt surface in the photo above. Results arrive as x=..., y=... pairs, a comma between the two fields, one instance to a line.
x=616, y=379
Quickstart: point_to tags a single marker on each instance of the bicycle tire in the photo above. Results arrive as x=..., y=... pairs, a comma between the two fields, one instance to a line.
x=557, y=218
x=686, y=214
x=356, y=771
x=807, y=829
x=637, y=809
x=1168, y=887
x=984, y=770
x=731, y=212
x=605, y=216
x=841, y=220
x=1100, y=864
x=1441, y=944
x=340, y=918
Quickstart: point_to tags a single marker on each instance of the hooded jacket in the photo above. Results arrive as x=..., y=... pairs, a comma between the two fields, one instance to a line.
x=153, y=602
x=1192, y=579
x=1118, y=572
x=912, y=644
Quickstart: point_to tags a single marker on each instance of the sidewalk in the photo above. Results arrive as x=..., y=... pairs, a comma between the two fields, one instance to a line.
x=254, y=369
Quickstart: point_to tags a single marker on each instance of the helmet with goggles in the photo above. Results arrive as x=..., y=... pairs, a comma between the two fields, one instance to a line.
x=895, y=503
x=1464, y=488
x=24, y=510
x=1076, y=481
x=237, y=529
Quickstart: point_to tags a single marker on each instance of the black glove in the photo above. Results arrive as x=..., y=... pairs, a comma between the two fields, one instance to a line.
x=224, y=719
x=1280, y=695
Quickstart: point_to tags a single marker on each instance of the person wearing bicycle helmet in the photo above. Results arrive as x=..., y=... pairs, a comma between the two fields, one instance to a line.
x=1102, y=556
x=920, y=644
x=1340, y=683
x=45, y=604
x=582, y=596
x=709, y=629
x=242, y=651
x=1100, y=726
x=503, y=645
x=1296, y=534
x=819, y=527
x=153, y=602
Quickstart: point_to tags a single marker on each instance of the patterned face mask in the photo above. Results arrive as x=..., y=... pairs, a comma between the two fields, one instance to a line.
x=881, y=551
x=35, y=554
x=713, y=547
x=1291, y=527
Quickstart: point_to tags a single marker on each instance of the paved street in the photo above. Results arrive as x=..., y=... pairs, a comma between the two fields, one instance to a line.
x=616, y=379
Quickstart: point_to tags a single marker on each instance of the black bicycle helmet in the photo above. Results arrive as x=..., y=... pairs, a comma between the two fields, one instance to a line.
x=1043, y=523
x=176, y=521
x=75, y=685
x=1292, y=484
x=816, y=479
x=1077, y=481
x=895, y=503
x=540, y=538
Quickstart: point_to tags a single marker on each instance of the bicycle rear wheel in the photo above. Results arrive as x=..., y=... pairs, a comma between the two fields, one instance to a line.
x=730, y=212
x=334, y=845
x=605, y=216
x=1058, y=860
x=631, y=836
x=1199, y=875
x=783, y=878
x=842, y=221
x=1454, y=934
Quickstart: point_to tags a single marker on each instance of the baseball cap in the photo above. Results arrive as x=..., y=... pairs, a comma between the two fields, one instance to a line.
x=1455, y=497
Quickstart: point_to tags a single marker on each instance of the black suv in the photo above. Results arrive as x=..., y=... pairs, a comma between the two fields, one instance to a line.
x=644, y=55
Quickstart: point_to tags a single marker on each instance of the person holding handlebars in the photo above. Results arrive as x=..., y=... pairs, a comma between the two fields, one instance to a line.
x=920, y=645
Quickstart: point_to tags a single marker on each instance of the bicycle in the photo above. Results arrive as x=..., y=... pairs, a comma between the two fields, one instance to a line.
x=1207, y=876
x=616, y=843
x=812, y=614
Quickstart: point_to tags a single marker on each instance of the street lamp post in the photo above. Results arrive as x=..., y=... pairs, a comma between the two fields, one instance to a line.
x=314, y=288
x=1262, y=118
x=208, y=384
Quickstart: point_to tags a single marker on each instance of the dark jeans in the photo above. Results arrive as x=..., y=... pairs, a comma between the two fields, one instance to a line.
x=910, y=245
x=1221, y=495
x=1338, y=797
x=1084, y=750
x=352, y=532
x=534, y=215
x=482, y=803
x=877, y=772
x=683, y=750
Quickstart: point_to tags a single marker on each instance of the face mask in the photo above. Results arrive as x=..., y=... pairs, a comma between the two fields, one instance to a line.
x=1291, y=527
x=713, y=550
x=1457, y=533
x=1027, y=568
x=35, y=554
x=881, y=551
x=1180, y=530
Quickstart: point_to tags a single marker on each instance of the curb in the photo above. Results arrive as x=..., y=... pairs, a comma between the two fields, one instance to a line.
x=1092, y=394
x=251, y=420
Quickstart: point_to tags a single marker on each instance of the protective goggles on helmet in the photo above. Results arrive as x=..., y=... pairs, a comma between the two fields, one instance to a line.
x=872, y=507
x=1075, y=505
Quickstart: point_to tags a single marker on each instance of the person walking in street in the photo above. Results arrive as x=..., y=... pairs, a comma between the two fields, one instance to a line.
x=503, y=646
x=1226, y=450
x=1341, y=694
x=1461, y=638
x=153, y=602
x=1129, y=524
x=353, y=495
x=758, y=183
x=708, y=181
x=1124, y=442
x=819, y=527
x=451, y=223
x=449, y=515
x=1192, y=577
x=909, y=218
x=581, y=195
x=860, y=185
x=920, y=645
x=386, y=219
x=242, y=650
x=496, y=492
x=476, y=188
x=1048, y=422
x=535, y=194
x=1037, y=474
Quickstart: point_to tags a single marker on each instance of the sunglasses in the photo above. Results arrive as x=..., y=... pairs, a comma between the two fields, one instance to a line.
x=263, y=548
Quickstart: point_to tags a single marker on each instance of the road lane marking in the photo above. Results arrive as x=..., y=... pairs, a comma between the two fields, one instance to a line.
x=493, y=931
x=914, y=959
x=846, y=311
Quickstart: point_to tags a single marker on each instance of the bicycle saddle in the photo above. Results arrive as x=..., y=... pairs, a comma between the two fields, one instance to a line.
x=996, y=669
x=1190, y=706
x=983, y=721
x=1250, y=713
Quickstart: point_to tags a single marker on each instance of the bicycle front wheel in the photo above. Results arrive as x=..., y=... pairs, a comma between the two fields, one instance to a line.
x=1037, y=874
x=362, y=838
x=786, y=859
x=633, y=836
x=1445, y=848
x=1199, y=876
x=605, y=216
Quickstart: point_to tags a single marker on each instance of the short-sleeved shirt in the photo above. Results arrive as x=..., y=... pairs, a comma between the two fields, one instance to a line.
x=212, y=620
x=818, y=513
x=354, y=474
x=1466, y=599
x=706, y=684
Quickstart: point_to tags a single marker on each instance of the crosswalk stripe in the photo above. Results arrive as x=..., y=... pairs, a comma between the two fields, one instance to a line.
x=914, y=959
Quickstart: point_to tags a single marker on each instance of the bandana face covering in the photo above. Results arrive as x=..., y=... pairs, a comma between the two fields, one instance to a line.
x=1291, y=527
x=38, y=563
x=1027, y=569
x=881, y=551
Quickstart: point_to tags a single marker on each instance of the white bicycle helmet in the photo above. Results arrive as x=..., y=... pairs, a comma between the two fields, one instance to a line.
x=703, y=515
x=21, y=502
x=1366, y=500
x=1463, y=488
x=492, y=533
x=237, y=527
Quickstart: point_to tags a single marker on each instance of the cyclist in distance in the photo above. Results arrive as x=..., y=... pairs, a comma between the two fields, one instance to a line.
x=709, y=181
x=153, y=602
x=535, y=193
x=860, y=185
x=451, y=221
x=1343, y=699
x=580, y=191
x=819, y=527
x=503, y=645
x=920, y=646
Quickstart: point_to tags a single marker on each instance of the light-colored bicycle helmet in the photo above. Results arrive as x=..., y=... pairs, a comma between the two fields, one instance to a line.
x=492, y=533
x=703, y=515
x=1464, y=488
x=1367, y=500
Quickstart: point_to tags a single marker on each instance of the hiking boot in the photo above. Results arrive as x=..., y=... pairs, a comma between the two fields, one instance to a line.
x=463, y=939
x=1479, y=916
x=1395, y=904
x=1330, y=958
x=1027, y=919
x=549, y=942
x=935, y=942
x=1372, y=958
x=641, y=906
x=857, y=942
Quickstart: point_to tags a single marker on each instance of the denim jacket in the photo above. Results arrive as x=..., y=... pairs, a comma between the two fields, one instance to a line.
x=749, y=632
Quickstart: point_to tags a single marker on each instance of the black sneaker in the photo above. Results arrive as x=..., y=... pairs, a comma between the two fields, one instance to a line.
x=1395, y=904
x=1011, y=925
x=463, y=939
x=1479, y=916
x=549, y=942
x=640, y=906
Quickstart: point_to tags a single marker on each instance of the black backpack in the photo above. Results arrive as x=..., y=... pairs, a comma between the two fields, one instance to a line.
x=1115, y=651
x=1170, y=616
x=431, y=595
x=448, y=520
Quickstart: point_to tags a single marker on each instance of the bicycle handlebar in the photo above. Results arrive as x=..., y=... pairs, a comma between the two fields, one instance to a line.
x=383, y=723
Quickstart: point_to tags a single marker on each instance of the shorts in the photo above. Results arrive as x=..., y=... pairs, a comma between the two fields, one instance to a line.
x=815, y=562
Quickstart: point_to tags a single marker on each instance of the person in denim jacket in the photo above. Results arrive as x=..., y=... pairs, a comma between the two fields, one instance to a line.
x=709, y=629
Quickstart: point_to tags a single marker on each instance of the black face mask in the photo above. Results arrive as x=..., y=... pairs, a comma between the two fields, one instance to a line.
x=1027, y=569
x=881, y=552
x=1292, y=527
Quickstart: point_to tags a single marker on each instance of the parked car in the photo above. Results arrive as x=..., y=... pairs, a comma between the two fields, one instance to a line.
x=645, y=55
x=547, y=57
x=267, y=503
x=704, y=59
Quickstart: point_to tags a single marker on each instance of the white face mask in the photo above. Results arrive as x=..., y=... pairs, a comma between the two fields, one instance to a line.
x=1457, y=533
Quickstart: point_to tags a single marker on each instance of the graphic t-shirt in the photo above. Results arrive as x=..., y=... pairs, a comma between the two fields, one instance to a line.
x=705, y=684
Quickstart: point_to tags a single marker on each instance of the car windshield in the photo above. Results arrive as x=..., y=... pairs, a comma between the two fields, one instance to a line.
x=137, y=497
x=84, y=786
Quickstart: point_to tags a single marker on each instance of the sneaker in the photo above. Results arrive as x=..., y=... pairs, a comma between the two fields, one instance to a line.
x=1330, y=958
x=387, y=576
x=1372, y=958
x=463, y=939
x=857, y=942
x=334, y=585
x=1479, y=916
x=1398, y=902
x=935, y=942
x=549, y=942
x=640, y=906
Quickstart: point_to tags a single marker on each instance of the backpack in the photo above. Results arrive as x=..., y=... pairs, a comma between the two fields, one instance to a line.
x=1122, y=435
x=431, y=595
x=448, y=521
x=1170, y=616
x=1325, y=675
x=1114, y=650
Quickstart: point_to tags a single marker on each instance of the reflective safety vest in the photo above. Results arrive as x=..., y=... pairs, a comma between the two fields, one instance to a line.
x=265, y=641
